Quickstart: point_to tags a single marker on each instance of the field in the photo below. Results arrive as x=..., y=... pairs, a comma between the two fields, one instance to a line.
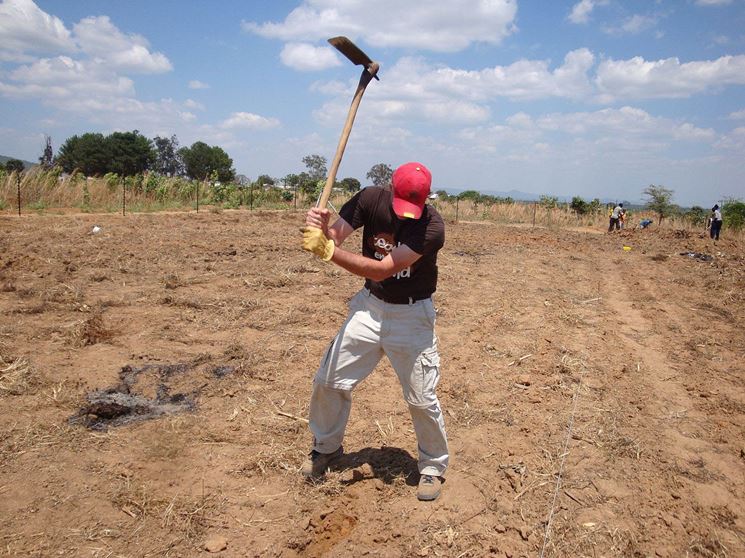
x=155, y=376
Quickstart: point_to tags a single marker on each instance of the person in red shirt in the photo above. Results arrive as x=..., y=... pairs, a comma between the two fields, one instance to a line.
x=392, y=315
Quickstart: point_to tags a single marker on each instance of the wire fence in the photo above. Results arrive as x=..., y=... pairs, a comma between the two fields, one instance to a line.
x=52, y=192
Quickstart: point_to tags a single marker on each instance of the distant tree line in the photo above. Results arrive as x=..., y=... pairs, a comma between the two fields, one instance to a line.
x=131, y=153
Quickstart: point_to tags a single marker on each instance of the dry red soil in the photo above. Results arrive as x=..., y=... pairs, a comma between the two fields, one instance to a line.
x=594, y=396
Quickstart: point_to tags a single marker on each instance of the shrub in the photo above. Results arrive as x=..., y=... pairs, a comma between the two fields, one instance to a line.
x=733, y=214
x=86, y=205
x=152, y=183
x=112, y=180
x=186, y=189
x=221, y=193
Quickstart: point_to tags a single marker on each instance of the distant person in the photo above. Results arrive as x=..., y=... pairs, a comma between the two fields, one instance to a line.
x=622, y=218
x=716, y=222
x=615, y=217
x=644, y=223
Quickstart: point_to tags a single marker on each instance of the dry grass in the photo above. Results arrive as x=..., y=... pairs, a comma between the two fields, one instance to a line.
x=191, y=515
x=17, y=440
x=17, y=377
x=90, y=331
x=589, y=540
x=42, y=191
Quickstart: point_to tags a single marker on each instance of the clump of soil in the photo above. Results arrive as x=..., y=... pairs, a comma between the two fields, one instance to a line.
x=90, y=331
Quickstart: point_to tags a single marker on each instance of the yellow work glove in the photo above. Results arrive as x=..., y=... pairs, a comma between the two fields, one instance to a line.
x=315, y=241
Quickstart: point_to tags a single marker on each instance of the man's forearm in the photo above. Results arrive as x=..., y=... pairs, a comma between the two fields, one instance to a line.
x=360, y=265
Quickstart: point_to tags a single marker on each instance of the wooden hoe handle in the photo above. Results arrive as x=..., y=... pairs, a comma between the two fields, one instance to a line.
x=367, y=75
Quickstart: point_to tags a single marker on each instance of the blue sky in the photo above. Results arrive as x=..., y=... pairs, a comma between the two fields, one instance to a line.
x=596, y=98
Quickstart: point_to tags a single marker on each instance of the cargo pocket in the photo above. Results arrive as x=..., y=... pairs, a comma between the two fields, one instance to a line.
x=424, y=379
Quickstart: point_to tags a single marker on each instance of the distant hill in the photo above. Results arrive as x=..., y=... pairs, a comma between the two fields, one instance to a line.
x=27, y=164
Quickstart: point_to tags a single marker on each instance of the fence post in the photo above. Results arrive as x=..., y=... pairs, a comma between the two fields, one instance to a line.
x=251, y=197
x=198, y=183
x=18, y=186
x=456, y=209
x=535, y=205
x=124, y=195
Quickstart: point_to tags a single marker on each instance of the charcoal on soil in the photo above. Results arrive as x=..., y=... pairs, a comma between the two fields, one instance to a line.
x=146, y=393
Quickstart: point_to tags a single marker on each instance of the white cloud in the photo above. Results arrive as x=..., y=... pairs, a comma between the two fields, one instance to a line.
x=633, y=25
x=417, y=91
x=196, y=84
x=733, y=141
x=247, y=120
x=738, y=115
x=192, y=104
x=330, y=87
x=628, y=122
x=101, y=39
x=637, y=78
x=305, y=57
x=25, y=28
x=64, y=78
x=90, y=79
x=448, y=27
x=626, y=137
x=524, y=79
x=581, y=10
x=713, y=2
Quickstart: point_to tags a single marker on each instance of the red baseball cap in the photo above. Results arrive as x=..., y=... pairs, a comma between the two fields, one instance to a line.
x=411, y=184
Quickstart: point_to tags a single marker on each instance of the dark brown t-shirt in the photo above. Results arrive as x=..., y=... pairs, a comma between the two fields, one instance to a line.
x=383, y=230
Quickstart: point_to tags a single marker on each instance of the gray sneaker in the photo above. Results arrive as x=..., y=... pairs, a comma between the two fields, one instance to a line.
x=429, y=488
x=317, y=463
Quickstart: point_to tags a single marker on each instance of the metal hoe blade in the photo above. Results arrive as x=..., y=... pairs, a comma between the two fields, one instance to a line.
x=352, y=51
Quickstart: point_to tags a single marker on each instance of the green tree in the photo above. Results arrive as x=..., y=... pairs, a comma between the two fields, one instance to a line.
x=549, y=202
x=351, y=185
x=380, y=174
x=168, y=162
x=291, y=181
x=659, y=200
x=578, y=205
x=733, y=214
x=88, y=153
x=201, y=161
x=696, y=215
x=306, y=183
x=316, y=165
x=131, y=153
x=265, y=180
x=594, y=206
x=14, y=165
x=472, y=195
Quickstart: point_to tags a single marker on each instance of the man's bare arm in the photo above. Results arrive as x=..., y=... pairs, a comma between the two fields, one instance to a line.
x=399, y=259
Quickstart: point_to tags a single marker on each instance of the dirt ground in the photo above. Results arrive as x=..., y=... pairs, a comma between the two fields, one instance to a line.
x=594, y=396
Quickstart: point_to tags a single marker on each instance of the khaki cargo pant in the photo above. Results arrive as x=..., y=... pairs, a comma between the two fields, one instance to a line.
x=405, y=334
